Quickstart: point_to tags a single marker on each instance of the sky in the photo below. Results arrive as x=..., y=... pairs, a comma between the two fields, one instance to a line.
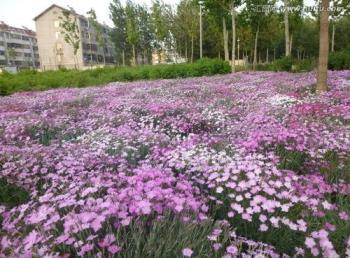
x=20, y=13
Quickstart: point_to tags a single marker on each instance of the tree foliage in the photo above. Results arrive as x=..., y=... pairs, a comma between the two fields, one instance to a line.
x=70, y=28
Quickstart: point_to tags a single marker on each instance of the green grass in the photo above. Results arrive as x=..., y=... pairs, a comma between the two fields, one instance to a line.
x=12, y=195
x=152, y=237
x=34, y=81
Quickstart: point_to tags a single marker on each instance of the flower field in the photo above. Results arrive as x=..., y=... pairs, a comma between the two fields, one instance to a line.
x=247, y=164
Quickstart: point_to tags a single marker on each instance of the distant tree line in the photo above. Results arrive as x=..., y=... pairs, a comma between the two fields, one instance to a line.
x=264, y=29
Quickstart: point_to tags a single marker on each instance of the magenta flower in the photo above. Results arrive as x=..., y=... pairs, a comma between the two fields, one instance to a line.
x=187, y=252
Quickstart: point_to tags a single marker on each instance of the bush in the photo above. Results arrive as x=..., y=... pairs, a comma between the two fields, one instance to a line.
x=339, y=60
x=12, y=195
x=288, y=64
x=32, y=80
x=303, y=65
x=283, y=64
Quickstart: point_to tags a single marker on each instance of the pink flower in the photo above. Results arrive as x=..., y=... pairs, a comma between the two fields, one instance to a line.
x=114, y=249
x=232, y=250
x=315, y=251
x=329, y=226
x=343, y=215
x=263, y=227
x=187, y=252
x=262, y=218
x=310, y=242
x=217, y=246
x=299, y=251
x=230, y=214
x=326, y=244
x=326, y=205
x=86, y=248
x=322, y=234
x=219, y=189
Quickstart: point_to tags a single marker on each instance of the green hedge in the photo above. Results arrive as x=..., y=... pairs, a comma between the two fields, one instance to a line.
x=339, y=60
x=288, y=64
x=33, y=80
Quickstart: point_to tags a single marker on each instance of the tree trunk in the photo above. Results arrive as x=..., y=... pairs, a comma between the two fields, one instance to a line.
x=233, y=35
x=159, y=51
x=227, y=58
x=186, y=52
x=290, y=44
x=324, y=49
x=123, y=57
x=267, y=55
x=134, y=55
x=255, y=48
x=333, y=36
x=251, y=56
x=274, y=54
x=192, y=48
x=286, y=27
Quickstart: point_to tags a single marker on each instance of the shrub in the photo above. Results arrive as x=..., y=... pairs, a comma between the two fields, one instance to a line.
x=339, y=60
x=288, y=64
x=32, y=80
x=283, y=64
x=303, y=65
x=12, y=195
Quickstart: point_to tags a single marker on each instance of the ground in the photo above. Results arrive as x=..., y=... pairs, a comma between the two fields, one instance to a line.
x=249, y=163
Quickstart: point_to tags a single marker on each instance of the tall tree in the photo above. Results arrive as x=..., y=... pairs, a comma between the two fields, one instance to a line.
x=187, y=24
x=295, y=20
x=339, y=9
x=324, y=48
x=70, y=30
x=119, y=35
x=286, y=26
x=233, y=5
x=159, y=12
x=146, y=33
x=258, y=19
x=98, y=31
x=132, y=28
x=220, y=10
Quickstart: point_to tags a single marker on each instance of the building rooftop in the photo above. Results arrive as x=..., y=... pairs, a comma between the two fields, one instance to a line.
x=11, y=29
x=62, y=8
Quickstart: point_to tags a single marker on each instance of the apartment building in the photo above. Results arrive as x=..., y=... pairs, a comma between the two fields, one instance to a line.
x=56, y=53
x=18, y=47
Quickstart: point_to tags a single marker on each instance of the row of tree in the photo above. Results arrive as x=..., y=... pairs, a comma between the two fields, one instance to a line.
x=263, y=31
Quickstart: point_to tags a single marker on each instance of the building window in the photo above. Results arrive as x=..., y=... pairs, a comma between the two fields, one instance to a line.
x=57, y=24
x=83, y=23
x=57, y=34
